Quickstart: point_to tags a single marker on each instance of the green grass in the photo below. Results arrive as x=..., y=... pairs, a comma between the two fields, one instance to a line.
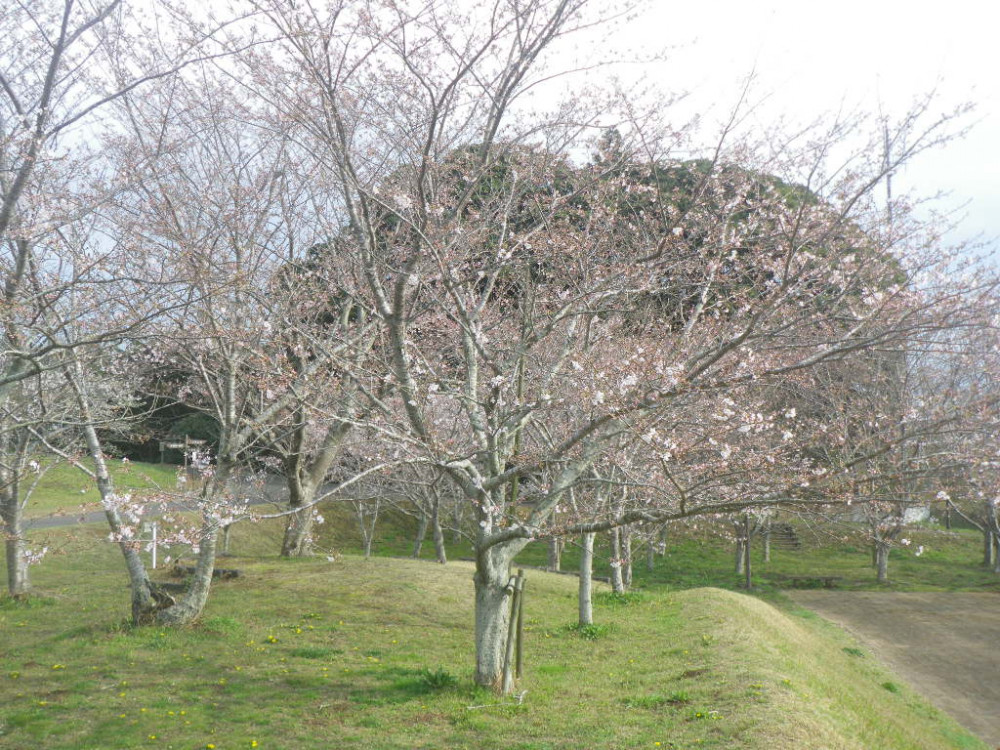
x=66, y=490
x=950, y=562
x=378, y=654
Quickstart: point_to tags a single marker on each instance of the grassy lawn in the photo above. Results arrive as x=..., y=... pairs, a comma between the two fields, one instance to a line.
x=949, y=561
x=378, y=654
x=65, y=490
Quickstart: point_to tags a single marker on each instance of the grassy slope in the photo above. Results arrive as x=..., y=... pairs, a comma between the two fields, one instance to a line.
x=950, y=560
x=65, y=490
x=315, y=653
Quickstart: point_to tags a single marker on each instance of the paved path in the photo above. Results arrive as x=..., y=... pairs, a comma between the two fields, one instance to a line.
x=947, y=646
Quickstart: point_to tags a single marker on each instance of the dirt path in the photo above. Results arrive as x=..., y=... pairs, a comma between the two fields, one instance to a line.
x=945, y=645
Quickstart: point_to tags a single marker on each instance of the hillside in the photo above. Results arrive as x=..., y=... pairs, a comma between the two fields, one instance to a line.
x=378, y=654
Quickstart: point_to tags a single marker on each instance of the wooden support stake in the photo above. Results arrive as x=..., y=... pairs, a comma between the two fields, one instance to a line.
x=515, y=584
x=520, y=622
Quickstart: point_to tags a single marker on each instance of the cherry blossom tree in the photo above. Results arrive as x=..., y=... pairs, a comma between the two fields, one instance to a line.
x=543, y=312
x=577, y=326
x=63, y=63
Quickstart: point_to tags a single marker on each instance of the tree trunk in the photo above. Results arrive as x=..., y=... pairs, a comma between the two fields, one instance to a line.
x=493, y=596
x=740, y=555
x=367, y=526
x=555, y=554
x=747, y=567
x=145, y=601
x=882, y=561
x=456, y=518
x=297, y=541
x=439, y=550
x=650, y=556
x=18, y=581
x=190, y=607
x=418, y=540
x=617, y=581
x=989, y=548
x=625, y=542
x=586, y=579
x=767, y=542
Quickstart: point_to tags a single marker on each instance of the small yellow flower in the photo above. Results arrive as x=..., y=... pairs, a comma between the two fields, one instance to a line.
x=209, y=746
x=253, y=743
x=152, y=736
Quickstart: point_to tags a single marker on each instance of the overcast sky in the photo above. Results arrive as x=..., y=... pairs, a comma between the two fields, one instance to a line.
x=811, y=57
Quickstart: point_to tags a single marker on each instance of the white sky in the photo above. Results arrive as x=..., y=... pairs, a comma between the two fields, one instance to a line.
x=812, y=57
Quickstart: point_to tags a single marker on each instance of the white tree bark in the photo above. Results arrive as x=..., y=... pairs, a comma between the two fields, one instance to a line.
x=617, y=579
x=882, y=561
x=439, y=549
x=586, y=608
x=555, y=554
x=15, y=546
x=493, y=598
x=423, y=522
